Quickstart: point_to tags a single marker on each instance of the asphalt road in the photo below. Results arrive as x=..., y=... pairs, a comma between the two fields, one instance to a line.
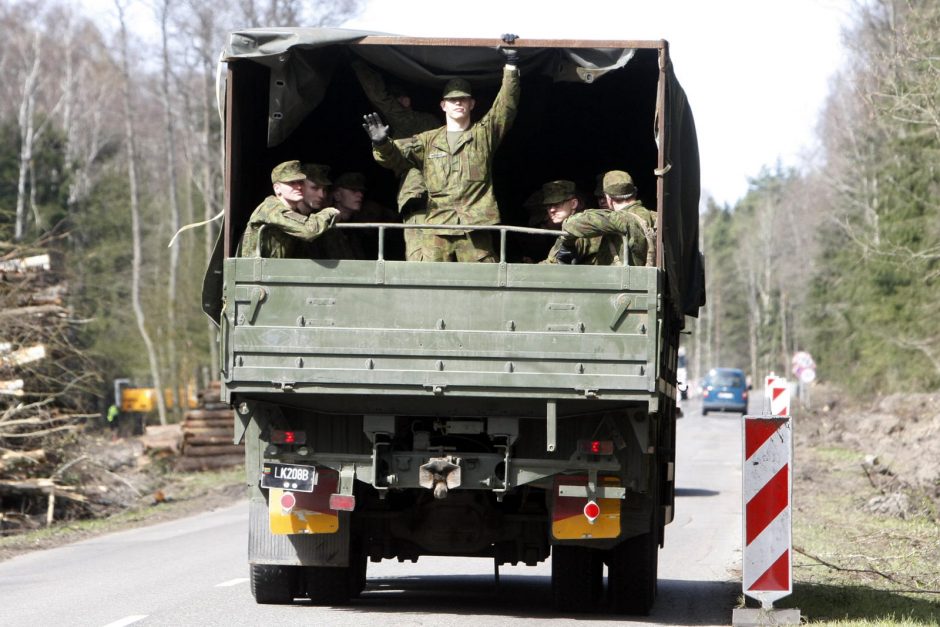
x=194, y=572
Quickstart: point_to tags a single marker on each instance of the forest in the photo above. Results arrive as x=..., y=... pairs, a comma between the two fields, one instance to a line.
x=841, y=257
x=110, y=144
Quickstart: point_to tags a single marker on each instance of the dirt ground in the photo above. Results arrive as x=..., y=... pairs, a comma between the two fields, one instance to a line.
x=122, y=484
x=898, y=437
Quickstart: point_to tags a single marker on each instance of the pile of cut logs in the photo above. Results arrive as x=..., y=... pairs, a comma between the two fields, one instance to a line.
x=41, y=375
x=207, y=434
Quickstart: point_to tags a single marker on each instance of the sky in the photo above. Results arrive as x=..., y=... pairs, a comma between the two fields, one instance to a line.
x=756, y=72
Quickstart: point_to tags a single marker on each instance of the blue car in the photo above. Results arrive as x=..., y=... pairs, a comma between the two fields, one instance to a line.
x=724, y=389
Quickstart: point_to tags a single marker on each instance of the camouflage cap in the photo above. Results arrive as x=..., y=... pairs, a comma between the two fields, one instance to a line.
x=317, y=173
x=351, y=180
x=619, y=183
x=557, y=191
x=287, y=172
x=457, y=88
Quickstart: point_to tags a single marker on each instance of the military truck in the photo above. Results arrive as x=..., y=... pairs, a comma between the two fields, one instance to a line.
x=508, y=411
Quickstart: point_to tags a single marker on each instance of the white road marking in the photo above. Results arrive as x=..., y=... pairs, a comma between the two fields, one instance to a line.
x=231, y=582
x=127, y=620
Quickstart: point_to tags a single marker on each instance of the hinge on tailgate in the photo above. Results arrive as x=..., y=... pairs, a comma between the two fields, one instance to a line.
x=623, y=303
x=258, y=295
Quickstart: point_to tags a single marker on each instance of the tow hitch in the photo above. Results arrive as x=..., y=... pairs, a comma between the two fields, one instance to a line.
x=440, y=474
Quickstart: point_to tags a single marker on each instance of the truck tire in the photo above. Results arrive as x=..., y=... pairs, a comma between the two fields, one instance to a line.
x=577, y=578
x=358, y=565
x=631, y=576
x=274, y=585
x=331, y=585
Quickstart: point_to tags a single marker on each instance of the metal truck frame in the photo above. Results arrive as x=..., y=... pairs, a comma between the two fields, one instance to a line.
x=510, y=411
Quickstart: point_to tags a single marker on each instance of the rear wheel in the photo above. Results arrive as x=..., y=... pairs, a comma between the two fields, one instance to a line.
x=631, y=576
x=358, y=564
x=577, y=578
x=274, y=585
x=335, y=585
x=330, y=585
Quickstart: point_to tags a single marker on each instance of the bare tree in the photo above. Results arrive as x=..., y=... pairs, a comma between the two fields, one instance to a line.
x=163, y=13
x=25, y=120
x=130, y=143
x=204, y=32
x=88, y=86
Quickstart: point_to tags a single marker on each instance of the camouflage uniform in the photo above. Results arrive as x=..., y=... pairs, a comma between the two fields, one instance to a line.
x=460, y=188
x=619, y=185
x=412, y=192
x=586, y=248
x=612, y=226
x=281, y=230
x=277, y=230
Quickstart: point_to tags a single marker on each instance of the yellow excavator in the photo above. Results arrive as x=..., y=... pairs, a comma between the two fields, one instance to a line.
x=133, y=399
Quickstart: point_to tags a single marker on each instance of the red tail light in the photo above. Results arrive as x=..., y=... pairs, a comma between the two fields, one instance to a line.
x=596, y=447
x=288, y=437
x=342, y=502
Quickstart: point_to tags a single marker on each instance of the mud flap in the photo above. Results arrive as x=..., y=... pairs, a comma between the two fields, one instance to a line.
x=571, y=496
x=310, y=512
x=322, y=549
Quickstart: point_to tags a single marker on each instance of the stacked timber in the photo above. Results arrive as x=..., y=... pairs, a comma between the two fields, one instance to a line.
x=43, y=378
x=207, y=434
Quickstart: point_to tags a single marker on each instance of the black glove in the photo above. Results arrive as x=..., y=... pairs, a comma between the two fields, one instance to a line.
x=372, y=125
x=512, y=56
x=565, y=255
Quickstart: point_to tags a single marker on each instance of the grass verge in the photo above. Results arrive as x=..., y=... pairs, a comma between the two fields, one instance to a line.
x=851, y=566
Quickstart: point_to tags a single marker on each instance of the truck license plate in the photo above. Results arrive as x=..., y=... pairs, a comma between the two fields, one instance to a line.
x=288, y=477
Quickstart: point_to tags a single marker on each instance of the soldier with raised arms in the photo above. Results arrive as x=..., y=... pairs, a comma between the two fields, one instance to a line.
x=456, y=161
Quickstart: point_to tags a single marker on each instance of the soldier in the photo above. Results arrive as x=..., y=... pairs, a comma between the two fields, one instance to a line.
x=277, y=228
x=624, y=219
x=348, y=193
x=456, y=161
x=621, y=195
x=394, y=103
x=560, y=201
x=316, y=187
x=599, y=195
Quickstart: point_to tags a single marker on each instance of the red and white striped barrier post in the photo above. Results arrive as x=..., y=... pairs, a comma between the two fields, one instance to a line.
x=776, y=396
x=767, y=490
